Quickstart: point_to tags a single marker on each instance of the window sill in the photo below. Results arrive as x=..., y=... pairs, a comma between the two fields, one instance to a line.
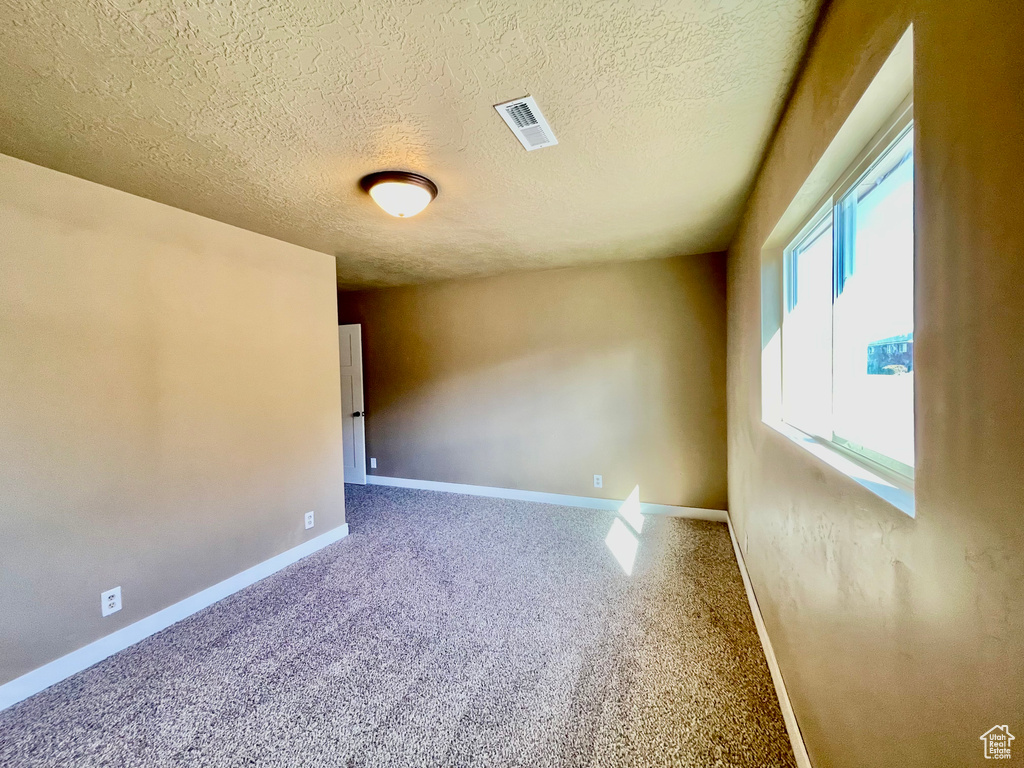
x=900, y=497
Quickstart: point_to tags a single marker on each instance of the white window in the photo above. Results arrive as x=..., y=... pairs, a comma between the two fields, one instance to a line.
x=848, y=325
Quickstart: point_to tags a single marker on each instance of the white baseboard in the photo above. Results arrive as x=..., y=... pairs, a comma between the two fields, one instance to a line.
x=589, y=502
x=796, y=739
x=43, y=677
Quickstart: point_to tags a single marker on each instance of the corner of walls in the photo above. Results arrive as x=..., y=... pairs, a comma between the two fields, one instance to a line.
x=172, y=407
x=540, y=380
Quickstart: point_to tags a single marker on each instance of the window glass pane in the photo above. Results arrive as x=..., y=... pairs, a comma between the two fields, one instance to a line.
x=873, y=334
x=807, y=333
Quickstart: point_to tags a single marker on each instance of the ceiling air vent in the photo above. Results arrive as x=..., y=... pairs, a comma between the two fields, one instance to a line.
x=527, y=123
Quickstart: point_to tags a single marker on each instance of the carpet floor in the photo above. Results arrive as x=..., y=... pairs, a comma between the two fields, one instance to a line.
x=446, y=630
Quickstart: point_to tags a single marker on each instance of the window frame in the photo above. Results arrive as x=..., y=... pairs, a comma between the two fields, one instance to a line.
x=827, y=209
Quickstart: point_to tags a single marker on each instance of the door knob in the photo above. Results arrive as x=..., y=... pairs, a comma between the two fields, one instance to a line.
x=358, y=414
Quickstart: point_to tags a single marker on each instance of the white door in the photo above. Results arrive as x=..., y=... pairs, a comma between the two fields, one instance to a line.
x=353, y=426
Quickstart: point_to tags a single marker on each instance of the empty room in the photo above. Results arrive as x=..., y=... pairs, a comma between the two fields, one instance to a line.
x=613, y=384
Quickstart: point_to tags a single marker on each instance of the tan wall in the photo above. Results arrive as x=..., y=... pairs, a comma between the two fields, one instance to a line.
x=541, y=380
x=902, y=640
x=170, y=406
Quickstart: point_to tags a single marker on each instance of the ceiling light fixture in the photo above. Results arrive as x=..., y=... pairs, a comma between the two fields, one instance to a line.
x=399, y=193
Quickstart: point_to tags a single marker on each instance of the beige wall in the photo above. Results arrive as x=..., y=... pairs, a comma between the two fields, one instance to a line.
x=902, y=640
x=170, y=406
x=541, y=380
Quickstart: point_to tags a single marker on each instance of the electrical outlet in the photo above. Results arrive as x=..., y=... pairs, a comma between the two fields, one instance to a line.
x=373, y=463
x=110, y=601
x=309, y=520
x=598, y=481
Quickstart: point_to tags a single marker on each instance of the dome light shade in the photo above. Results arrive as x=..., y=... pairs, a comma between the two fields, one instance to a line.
x=399, y=193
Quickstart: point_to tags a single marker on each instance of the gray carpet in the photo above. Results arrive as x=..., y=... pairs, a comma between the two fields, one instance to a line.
x=446, y=630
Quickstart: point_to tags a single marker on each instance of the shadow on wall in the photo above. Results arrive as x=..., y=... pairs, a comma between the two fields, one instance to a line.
x=501, y=416
x=539, y=381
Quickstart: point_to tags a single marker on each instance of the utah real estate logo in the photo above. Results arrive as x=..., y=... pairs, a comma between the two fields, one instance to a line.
x=997, y=742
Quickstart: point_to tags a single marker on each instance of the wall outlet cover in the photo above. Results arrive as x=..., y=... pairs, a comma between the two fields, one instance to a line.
x=110, y=601
x=373, y=463
x=598, y=481
x=309, y=520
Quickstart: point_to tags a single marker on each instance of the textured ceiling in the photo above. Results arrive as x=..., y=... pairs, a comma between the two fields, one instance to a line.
x=265, y=114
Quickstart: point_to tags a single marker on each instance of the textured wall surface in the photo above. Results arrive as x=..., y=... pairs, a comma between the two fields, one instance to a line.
x=541, y=380
x=266, y=114
x=171, y=406
x=902, y=640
